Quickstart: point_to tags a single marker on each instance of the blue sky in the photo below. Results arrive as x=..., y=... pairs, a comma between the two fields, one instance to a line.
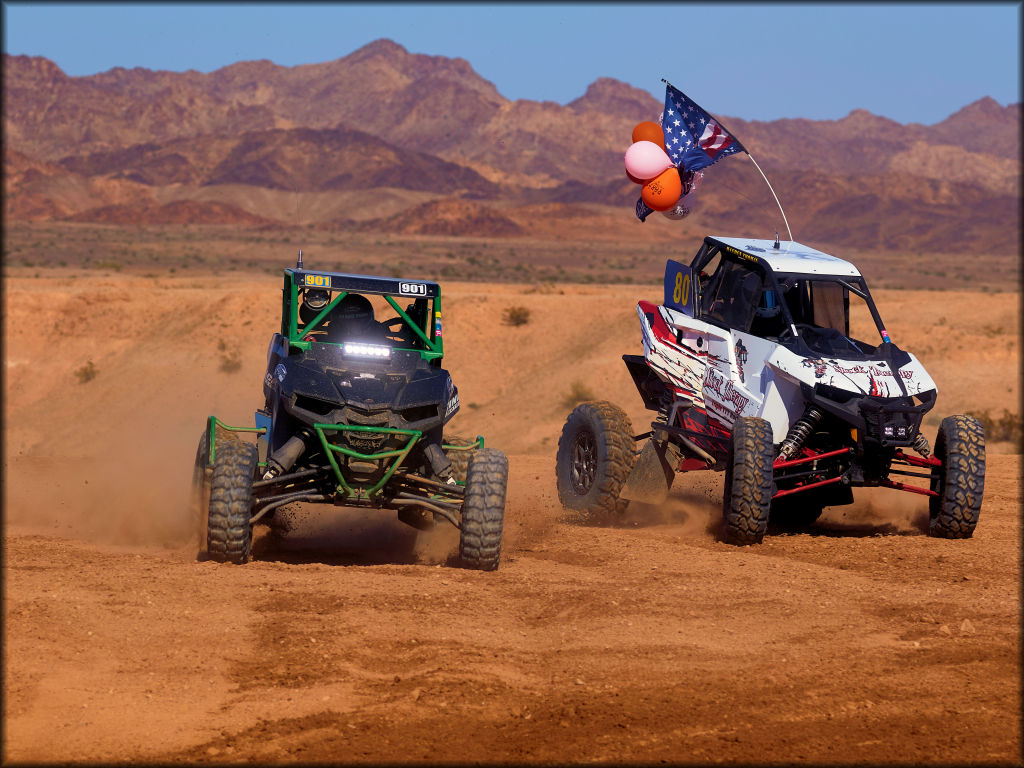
x=915, y=62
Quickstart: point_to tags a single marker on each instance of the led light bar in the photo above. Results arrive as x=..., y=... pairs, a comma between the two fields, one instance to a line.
x=366, y=350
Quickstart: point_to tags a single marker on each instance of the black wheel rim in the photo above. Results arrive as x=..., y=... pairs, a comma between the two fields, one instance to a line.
x=584, y=463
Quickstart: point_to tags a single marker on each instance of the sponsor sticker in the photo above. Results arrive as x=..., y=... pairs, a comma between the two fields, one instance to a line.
x=817, y=364
x=740, y=254
x=724, y=390
x=741, y=358
x=453, y=404
x=280, y=372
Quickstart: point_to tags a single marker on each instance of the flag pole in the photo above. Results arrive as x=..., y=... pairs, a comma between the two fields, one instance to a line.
x=784, y=219
x=773, y=193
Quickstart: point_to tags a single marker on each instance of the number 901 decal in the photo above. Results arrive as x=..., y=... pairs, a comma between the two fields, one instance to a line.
x=412, y=289
x=318, y=281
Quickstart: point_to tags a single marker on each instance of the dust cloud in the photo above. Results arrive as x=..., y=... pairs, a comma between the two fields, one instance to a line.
x=694, y=504
x=133, y=488
x=878, y=510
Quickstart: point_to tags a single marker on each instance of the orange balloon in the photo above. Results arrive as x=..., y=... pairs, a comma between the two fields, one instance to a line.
x=663, y=192
x=648, y=131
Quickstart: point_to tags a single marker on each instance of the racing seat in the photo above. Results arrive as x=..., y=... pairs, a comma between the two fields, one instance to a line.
x=768, y=320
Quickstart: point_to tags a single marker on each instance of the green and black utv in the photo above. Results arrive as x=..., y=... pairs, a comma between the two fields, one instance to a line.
x=356, y=401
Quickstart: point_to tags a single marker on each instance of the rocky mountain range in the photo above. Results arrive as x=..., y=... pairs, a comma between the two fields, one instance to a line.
x=383, y=138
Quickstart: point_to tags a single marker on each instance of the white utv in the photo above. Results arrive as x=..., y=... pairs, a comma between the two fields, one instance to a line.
x=752, y=369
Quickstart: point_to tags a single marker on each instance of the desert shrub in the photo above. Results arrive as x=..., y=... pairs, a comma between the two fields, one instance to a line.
x=230, y=361
x=86, y=373
x=545, y=288
x=515, y=316
x=1005, y=428
x=578, y=393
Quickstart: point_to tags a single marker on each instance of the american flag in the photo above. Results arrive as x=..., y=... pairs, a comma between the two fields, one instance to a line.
x=693, y=138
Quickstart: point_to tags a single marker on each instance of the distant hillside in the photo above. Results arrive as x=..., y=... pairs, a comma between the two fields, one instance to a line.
x=401, y=131
x=303, y=159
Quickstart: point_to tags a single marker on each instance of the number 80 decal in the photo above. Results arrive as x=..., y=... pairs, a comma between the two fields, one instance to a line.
x=680, y=290
x=681, y=295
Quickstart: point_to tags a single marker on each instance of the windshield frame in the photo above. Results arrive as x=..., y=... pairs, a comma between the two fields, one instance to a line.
x=855, y=284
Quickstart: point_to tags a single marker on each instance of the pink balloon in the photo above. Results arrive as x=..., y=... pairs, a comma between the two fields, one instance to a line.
x=645, y=160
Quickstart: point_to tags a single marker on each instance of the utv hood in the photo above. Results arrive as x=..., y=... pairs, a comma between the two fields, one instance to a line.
x=877, y=377
x=319, y=383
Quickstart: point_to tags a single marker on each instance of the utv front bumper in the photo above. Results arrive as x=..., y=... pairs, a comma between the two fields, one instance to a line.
x=880, y=422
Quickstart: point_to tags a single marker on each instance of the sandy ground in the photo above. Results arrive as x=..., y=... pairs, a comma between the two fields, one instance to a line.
x=351, y=640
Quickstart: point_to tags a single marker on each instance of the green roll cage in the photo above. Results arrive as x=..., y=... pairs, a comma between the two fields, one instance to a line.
x=342, y=284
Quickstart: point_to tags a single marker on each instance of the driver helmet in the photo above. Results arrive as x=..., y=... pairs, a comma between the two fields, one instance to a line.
x=354, y=312
x=313, y=302
x=769, y=305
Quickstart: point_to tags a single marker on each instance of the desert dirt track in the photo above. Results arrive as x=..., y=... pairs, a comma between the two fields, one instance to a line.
x=863, y=641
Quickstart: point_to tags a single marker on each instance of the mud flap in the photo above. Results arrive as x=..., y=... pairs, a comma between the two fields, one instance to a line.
x=651, y=477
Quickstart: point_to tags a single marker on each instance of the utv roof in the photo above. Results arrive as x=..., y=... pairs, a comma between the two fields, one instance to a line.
x=336, y=281
x=790, y=256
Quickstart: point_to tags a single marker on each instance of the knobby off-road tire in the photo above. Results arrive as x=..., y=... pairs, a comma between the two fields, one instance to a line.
x=201, y=472
x=960, y=481
x=200, y=499
x=228, y=530
x=747, y=496
x=596, y=452
x=459, y=459
x=483, y=510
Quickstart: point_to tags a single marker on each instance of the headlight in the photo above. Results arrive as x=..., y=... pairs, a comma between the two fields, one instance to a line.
x=316, y=299
x=366, y=350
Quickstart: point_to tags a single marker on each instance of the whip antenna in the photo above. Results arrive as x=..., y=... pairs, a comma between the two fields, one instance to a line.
x=297, y=225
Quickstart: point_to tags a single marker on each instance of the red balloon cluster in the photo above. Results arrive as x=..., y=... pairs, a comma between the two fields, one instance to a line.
x=648, y=164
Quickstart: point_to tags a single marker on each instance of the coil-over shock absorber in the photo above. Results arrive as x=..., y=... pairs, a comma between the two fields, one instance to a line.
x=799, y=432
x=921, y=445
x=660, y=420
x=662, y=417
